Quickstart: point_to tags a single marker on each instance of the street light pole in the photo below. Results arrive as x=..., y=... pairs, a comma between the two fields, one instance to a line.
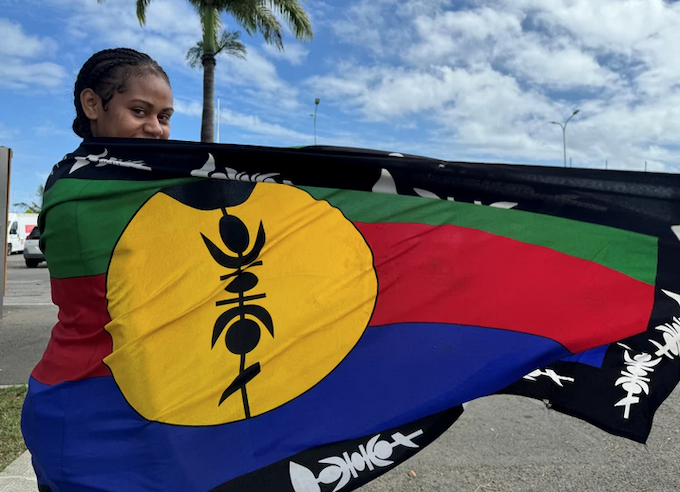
x=564, y=134
x=316, y=107
x=218, y=120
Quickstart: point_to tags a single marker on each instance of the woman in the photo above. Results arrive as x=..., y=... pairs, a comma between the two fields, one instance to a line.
x=122, y=93
x=118, y=93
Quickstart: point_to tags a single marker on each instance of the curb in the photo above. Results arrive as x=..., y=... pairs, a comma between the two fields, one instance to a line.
x=19, y=476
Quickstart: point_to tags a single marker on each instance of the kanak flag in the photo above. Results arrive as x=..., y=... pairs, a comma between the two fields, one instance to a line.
x=246, y=319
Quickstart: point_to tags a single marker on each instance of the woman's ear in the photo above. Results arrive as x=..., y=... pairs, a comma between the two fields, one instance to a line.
x=90, y=100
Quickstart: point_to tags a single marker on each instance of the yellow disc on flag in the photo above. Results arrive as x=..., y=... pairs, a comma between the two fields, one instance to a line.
x=223, y=315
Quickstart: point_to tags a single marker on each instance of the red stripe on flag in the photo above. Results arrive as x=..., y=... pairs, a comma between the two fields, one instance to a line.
x=79, y=341
x=457, y=275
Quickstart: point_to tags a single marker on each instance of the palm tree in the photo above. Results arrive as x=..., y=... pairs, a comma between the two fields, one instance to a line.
x=228, y=43
x=33, y=207
x=252, y=16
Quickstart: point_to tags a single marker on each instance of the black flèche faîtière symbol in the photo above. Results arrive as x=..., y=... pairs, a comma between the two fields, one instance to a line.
x=242, y=335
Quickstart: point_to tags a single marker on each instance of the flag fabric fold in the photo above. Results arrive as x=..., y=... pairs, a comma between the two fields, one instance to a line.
x=250, y=318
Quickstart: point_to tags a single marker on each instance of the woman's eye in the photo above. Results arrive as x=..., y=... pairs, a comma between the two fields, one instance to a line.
x=164, y=118
x=139, y=111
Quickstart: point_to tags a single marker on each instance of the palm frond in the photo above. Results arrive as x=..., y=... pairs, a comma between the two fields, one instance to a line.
x=201, y=8
x=195, y=55
x=269, y=26
x=141, y=10
x=261, y=15
x=244, y=12
x=211, y=23
x=228, y=44
x=295, y=16
x=29, y=208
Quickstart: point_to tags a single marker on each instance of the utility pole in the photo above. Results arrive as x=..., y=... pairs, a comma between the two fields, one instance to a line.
x=564, y=133
x=316, y=107
x=218, y=120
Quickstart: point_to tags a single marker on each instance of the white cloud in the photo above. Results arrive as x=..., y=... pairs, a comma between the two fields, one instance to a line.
x=49, y=129
x=256, y=125
x=164, y=18
x=172, y=27
x=487, y=78
x=384, y=93
x=495, y=37
x=7, y=134
x=560, y=68
x=639, y=33
x=255, y=70
x=615, y=25
x=361, y=25
x=460, y=80
x=371, y=24
x=17, y=48
x=249, y=123
x=259, y=77
x=18, y=44
x=18, y=74
x=295, y=54
x=410, y=8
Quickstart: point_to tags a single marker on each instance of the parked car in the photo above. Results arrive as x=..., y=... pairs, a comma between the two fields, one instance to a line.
x=32, y=253
x=19, y=226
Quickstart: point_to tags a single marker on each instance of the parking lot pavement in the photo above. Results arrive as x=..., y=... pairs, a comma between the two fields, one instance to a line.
x=28, y=318
x=26, y=286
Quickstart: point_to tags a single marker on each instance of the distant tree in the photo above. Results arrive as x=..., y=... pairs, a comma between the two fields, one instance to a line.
x=33, y=207
x=253, y=16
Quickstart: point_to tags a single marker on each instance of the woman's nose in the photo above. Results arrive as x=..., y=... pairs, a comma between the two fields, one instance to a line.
x=154, y=128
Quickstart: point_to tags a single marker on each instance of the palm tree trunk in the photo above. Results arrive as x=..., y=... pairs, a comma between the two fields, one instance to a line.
x=208, y=123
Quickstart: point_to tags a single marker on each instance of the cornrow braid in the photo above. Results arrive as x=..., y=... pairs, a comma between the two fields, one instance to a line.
x=106, y=73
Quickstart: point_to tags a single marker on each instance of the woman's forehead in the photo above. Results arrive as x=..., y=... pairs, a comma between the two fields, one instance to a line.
x=148, y=87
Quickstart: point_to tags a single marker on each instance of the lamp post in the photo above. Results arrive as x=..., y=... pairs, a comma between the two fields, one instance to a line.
x=316, y=107
x=564, y=133
x=218, y=120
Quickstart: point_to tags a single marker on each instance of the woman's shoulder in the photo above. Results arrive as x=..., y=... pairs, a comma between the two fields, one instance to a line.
x=64, y=166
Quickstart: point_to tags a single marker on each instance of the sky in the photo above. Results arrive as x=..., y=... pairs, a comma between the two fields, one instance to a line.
x=477, y=81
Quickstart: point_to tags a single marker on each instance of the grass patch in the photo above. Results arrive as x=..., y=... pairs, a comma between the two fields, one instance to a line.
x=11, y=440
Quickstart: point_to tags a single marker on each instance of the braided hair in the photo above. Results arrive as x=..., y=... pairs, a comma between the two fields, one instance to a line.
x=108, y=72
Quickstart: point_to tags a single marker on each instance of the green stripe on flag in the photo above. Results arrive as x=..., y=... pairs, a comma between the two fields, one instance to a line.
x=85, y=218
x=628, y=252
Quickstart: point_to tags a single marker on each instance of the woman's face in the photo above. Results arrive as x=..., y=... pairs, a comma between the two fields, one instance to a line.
x=142, y=111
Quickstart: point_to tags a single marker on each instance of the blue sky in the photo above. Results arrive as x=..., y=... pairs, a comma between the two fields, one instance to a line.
x=459, y=80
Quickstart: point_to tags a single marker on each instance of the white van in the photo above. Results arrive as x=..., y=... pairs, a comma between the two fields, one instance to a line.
x=18, y=227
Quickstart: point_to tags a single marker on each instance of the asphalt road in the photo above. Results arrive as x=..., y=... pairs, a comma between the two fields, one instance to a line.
x=500, y=444
x=508, y=444
x=28, y=318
